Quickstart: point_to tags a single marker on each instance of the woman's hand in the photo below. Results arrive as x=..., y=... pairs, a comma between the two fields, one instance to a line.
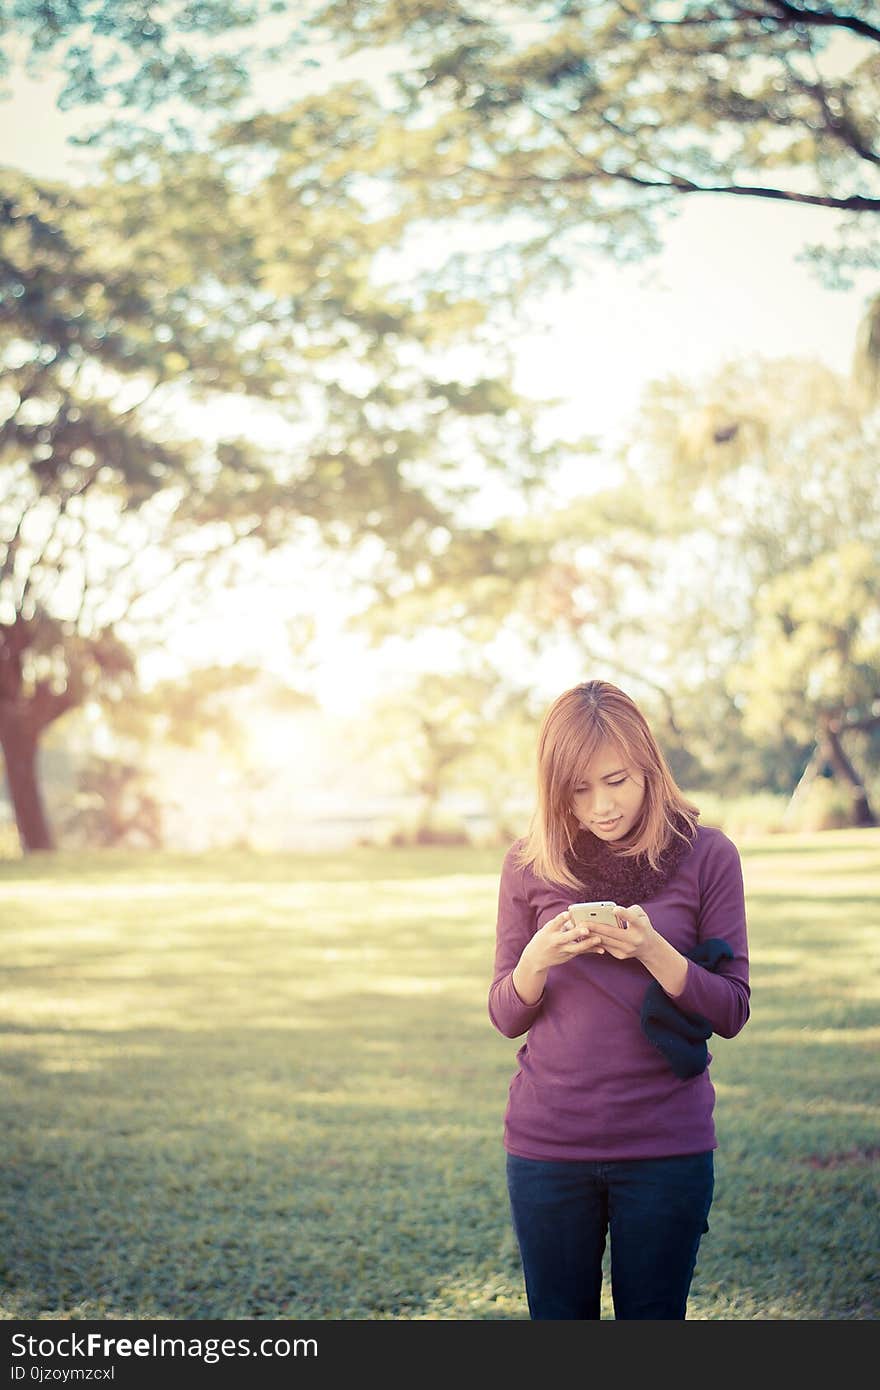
x=559, y=940
x=632, y=938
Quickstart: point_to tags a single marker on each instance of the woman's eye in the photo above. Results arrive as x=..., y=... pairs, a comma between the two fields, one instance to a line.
x=617, y=784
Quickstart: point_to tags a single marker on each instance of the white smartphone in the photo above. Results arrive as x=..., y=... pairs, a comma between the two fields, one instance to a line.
x=585, y=914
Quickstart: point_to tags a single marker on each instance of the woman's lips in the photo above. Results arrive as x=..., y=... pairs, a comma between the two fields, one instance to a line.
x=607, y=824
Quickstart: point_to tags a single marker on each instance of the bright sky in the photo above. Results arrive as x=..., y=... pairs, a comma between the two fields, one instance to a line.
x=727, y=284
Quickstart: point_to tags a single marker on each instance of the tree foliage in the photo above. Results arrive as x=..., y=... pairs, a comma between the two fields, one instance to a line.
x=121, y=314
x=728, y=579
x=587, y=120
x=771, y=474
x=519, y=138
x=112, y=806
x=137, y=55
x=447, y=732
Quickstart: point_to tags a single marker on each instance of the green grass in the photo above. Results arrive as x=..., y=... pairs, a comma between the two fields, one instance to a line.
x=267, y=1087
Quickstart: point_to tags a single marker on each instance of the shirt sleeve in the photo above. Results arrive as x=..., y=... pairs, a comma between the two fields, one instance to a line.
x=515, y=928
x=721, y=996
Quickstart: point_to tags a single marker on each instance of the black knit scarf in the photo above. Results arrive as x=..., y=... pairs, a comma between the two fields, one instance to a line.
x=607, y=875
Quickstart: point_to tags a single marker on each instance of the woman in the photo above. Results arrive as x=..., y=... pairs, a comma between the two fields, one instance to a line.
x=609, y=1122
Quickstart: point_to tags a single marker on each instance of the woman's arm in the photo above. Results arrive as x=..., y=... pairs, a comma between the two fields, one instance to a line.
x=511, y=1013
x=524, y=953
x=722, y=995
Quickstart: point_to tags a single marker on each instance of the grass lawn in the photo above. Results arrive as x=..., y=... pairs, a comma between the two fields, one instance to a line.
x=267, y=1087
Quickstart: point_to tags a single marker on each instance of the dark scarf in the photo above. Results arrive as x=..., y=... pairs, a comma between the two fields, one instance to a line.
x=680, y=1036
x=607, y=875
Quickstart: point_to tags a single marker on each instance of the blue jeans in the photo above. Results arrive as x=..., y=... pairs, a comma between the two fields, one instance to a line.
x=654, y=1209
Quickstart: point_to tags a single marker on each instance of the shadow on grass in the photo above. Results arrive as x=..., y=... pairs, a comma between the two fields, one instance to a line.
x=257, y=1172
x=277, y=1103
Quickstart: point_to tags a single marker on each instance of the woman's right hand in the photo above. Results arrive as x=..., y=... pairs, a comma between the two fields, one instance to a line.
x=560, y=940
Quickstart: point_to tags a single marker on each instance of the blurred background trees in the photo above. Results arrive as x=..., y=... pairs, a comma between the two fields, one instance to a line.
x=586, y=123
x=122, y=312
x=285, y=331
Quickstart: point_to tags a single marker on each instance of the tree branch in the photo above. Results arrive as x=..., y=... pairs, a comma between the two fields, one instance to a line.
x=856, y=202
x=14, y=541
x=842, y=126
x=39, y=560
x=821, y=18
x=788, y=15
x=149, y=589
x=47, y=705
x=870, y=721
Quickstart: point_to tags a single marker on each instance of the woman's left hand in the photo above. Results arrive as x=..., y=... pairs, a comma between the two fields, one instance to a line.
x=631, y=938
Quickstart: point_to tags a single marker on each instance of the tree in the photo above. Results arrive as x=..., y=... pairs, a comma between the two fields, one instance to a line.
x=426, y=728
x=120, y=312
x=814, y=663
x=569, y=586
x=571, y=122
x=452, y=731
x=542, y=132
x=521, y=137
x=728, y=580
x=113, y=806
x=586, y=119
x=770, y=473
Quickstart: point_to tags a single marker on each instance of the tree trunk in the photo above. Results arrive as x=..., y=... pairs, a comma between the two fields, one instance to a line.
x=844, y=770
x=20, y=752
x=807, y=778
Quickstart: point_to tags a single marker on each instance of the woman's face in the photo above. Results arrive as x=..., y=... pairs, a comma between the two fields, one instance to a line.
x=609, y=794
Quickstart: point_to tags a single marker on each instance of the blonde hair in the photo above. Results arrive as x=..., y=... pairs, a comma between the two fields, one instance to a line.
x=574, y=727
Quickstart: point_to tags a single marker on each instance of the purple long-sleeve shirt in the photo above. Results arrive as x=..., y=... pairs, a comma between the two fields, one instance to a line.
x=589, y=1084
